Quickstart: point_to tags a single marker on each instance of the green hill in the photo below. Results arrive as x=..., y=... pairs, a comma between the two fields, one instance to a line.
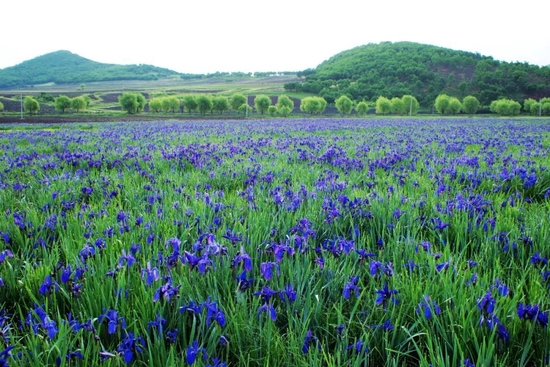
x=62, y=67
x=394, y=69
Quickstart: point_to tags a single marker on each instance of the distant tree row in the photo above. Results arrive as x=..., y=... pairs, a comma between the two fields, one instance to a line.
x=406, y=105
x=135, y=102
x=63, y=103
x=447, y=105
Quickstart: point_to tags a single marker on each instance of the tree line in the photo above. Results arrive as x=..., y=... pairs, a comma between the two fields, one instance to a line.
x=133, y=103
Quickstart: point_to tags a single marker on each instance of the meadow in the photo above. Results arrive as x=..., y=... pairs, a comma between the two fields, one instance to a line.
x=298, y=242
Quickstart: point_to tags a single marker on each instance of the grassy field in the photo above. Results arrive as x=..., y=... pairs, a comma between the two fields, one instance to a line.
x=297, y=242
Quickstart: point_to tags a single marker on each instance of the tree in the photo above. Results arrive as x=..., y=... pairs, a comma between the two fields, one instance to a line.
x=470, y=105
x=155, y=105
x=132, y=102
x=454, y=106
x=362, y=108
x=190, y=103
x=31, y=105
x=204, y=103
x=220, y=104
x=1, y=107
x=397, y=106
x=82, y=86
x=344, y=105
x=284, y=105
x=236, y=101
x=78, y=103
x=262, y=103
x=171, y=103
x=383, y=106
x=245, y=109
x=531, y=106
x=62, y=103
x=313, y=105
x=141, y=102
x=272, y=110
x=442, y=103
x=410, y=104
x=505, y=107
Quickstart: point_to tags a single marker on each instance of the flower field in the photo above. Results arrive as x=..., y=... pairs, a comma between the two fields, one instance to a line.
x=299, y=242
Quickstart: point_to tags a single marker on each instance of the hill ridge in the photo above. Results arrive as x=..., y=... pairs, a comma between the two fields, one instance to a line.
x=398, y=68
x=65, y=67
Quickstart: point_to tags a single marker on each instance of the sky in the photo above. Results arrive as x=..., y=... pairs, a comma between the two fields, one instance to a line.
x=250, y=35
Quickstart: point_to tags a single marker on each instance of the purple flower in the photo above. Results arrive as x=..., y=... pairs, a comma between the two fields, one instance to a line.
x=428, y=309
x=167, y=291
x=288, y=294
x=538, y=260
x=350, y=286
x=48, y=286
x=265, y=294
x=113, y=320
x=268, y=308
x=267, y=269
x=486, y=304
x=385, y=294
x=130, y=346
x=244, y=258
x=5, y=253
x=310, y=339
x=533, y=313
x=442, y=266
x=4, y=355
x=244, y=283
x=128, y=258
x=358, y=347
x=193, y=351
x=151, y=274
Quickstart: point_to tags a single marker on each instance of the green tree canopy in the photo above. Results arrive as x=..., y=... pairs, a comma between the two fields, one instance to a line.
x=470, y=105
x=78, y=103
x=132, y=102
x=262, y=103
x=505, y=107
x=155, y=105
x=284, y=105
x=362, y=108
x=190, y=103
x=62, y=103
x=344, y=105
x=31, y=105
x=442, y=104
x=171, y=103
x=397, y=106
x=272, y=110
x=204, y=103
x=236, y=101
x=220, y=104
x=454, y=106
x=245, y=109
x=313, y=105
x=383, y=106
x=1, y=107
x=411, y=105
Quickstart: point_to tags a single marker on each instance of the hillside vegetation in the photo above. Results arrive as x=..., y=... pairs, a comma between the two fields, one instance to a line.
x=65, y=67
x=425, y=71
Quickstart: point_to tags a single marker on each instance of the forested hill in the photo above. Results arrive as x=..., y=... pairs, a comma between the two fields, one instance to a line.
x=65, y=67
x=394, y=69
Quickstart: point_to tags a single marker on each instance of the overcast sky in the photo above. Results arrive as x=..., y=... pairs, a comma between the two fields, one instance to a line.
x=282, y=35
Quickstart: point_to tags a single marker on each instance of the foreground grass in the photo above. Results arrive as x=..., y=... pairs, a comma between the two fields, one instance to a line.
x=280, y=242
